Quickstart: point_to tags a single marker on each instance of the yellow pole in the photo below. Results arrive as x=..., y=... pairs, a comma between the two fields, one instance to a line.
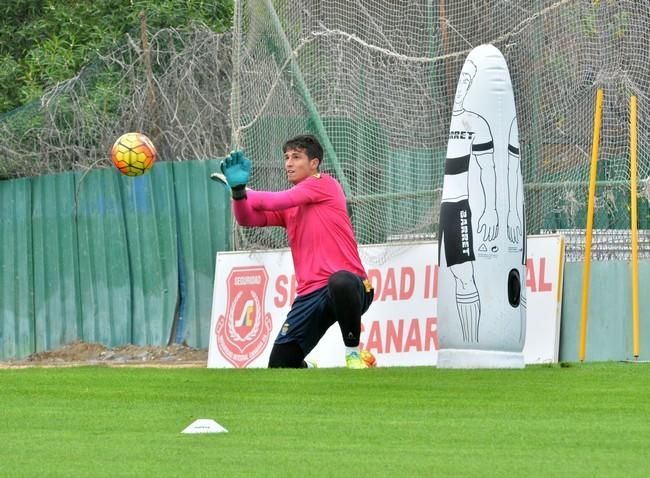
x=633, y=228
x=590, y=222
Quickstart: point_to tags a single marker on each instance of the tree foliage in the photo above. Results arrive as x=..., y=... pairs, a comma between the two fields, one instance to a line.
x=44, y=42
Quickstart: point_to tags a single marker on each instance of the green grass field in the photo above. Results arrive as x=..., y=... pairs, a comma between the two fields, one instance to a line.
x=583, y=420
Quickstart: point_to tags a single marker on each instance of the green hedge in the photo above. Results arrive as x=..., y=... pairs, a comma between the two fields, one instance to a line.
x=44, y=42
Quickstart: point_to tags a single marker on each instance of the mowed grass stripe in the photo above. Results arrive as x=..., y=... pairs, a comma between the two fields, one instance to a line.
x=583, y=420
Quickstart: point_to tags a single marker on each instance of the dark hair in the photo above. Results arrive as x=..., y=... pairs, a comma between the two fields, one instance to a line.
x=308, y=143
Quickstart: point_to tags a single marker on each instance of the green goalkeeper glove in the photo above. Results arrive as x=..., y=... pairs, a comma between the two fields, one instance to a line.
x=236, y=167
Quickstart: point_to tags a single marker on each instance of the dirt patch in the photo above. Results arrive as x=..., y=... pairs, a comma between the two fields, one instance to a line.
x=82, y=353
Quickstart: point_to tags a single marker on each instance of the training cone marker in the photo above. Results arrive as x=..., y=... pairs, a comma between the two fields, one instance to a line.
x=205, y=425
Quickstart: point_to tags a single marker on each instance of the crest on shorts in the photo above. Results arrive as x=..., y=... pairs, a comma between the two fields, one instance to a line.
x=244, y=331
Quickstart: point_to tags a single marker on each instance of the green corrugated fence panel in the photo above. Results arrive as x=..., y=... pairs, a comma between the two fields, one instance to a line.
x=56, y=265
x=150, y=219
x=95, y=257
x=16, y=300
x=204, y=225
x=104, y=273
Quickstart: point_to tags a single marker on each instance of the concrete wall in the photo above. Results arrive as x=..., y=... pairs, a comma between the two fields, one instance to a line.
x=609, y=324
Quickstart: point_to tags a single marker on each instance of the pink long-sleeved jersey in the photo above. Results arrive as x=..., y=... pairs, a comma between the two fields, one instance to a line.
x=318, y=227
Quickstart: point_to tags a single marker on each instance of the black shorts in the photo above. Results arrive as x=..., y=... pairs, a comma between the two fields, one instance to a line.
x=455, y=231
x=312, y=314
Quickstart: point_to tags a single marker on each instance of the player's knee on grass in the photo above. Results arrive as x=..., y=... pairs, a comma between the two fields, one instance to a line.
x=288, y=355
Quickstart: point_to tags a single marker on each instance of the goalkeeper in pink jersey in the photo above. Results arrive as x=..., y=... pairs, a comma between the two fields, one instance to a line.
x=332, y=283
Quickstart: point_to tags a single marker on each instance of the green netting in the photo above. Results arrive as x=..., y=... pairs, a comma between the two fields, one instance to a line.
x=375, y=80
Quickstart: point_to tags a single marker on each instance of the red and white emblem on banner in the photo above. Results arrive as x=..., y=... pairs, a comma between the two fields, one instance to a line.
x=244, y=331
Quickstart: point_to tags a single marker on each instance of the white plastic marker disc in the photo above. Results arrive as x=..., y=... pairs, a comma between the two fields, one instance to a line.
x=205, y=425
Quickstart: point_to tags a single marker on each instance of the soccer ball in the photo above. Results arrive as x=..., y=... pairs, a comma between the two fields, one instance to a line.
x=133, y=154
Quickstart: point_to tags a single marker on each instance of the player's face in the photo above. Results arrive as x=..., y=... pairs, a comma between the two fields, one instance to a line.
x=298, y=165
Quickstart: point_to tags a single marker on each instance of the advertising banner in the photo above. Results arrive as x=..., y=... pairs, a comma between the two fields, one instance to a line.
x=253, y=292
